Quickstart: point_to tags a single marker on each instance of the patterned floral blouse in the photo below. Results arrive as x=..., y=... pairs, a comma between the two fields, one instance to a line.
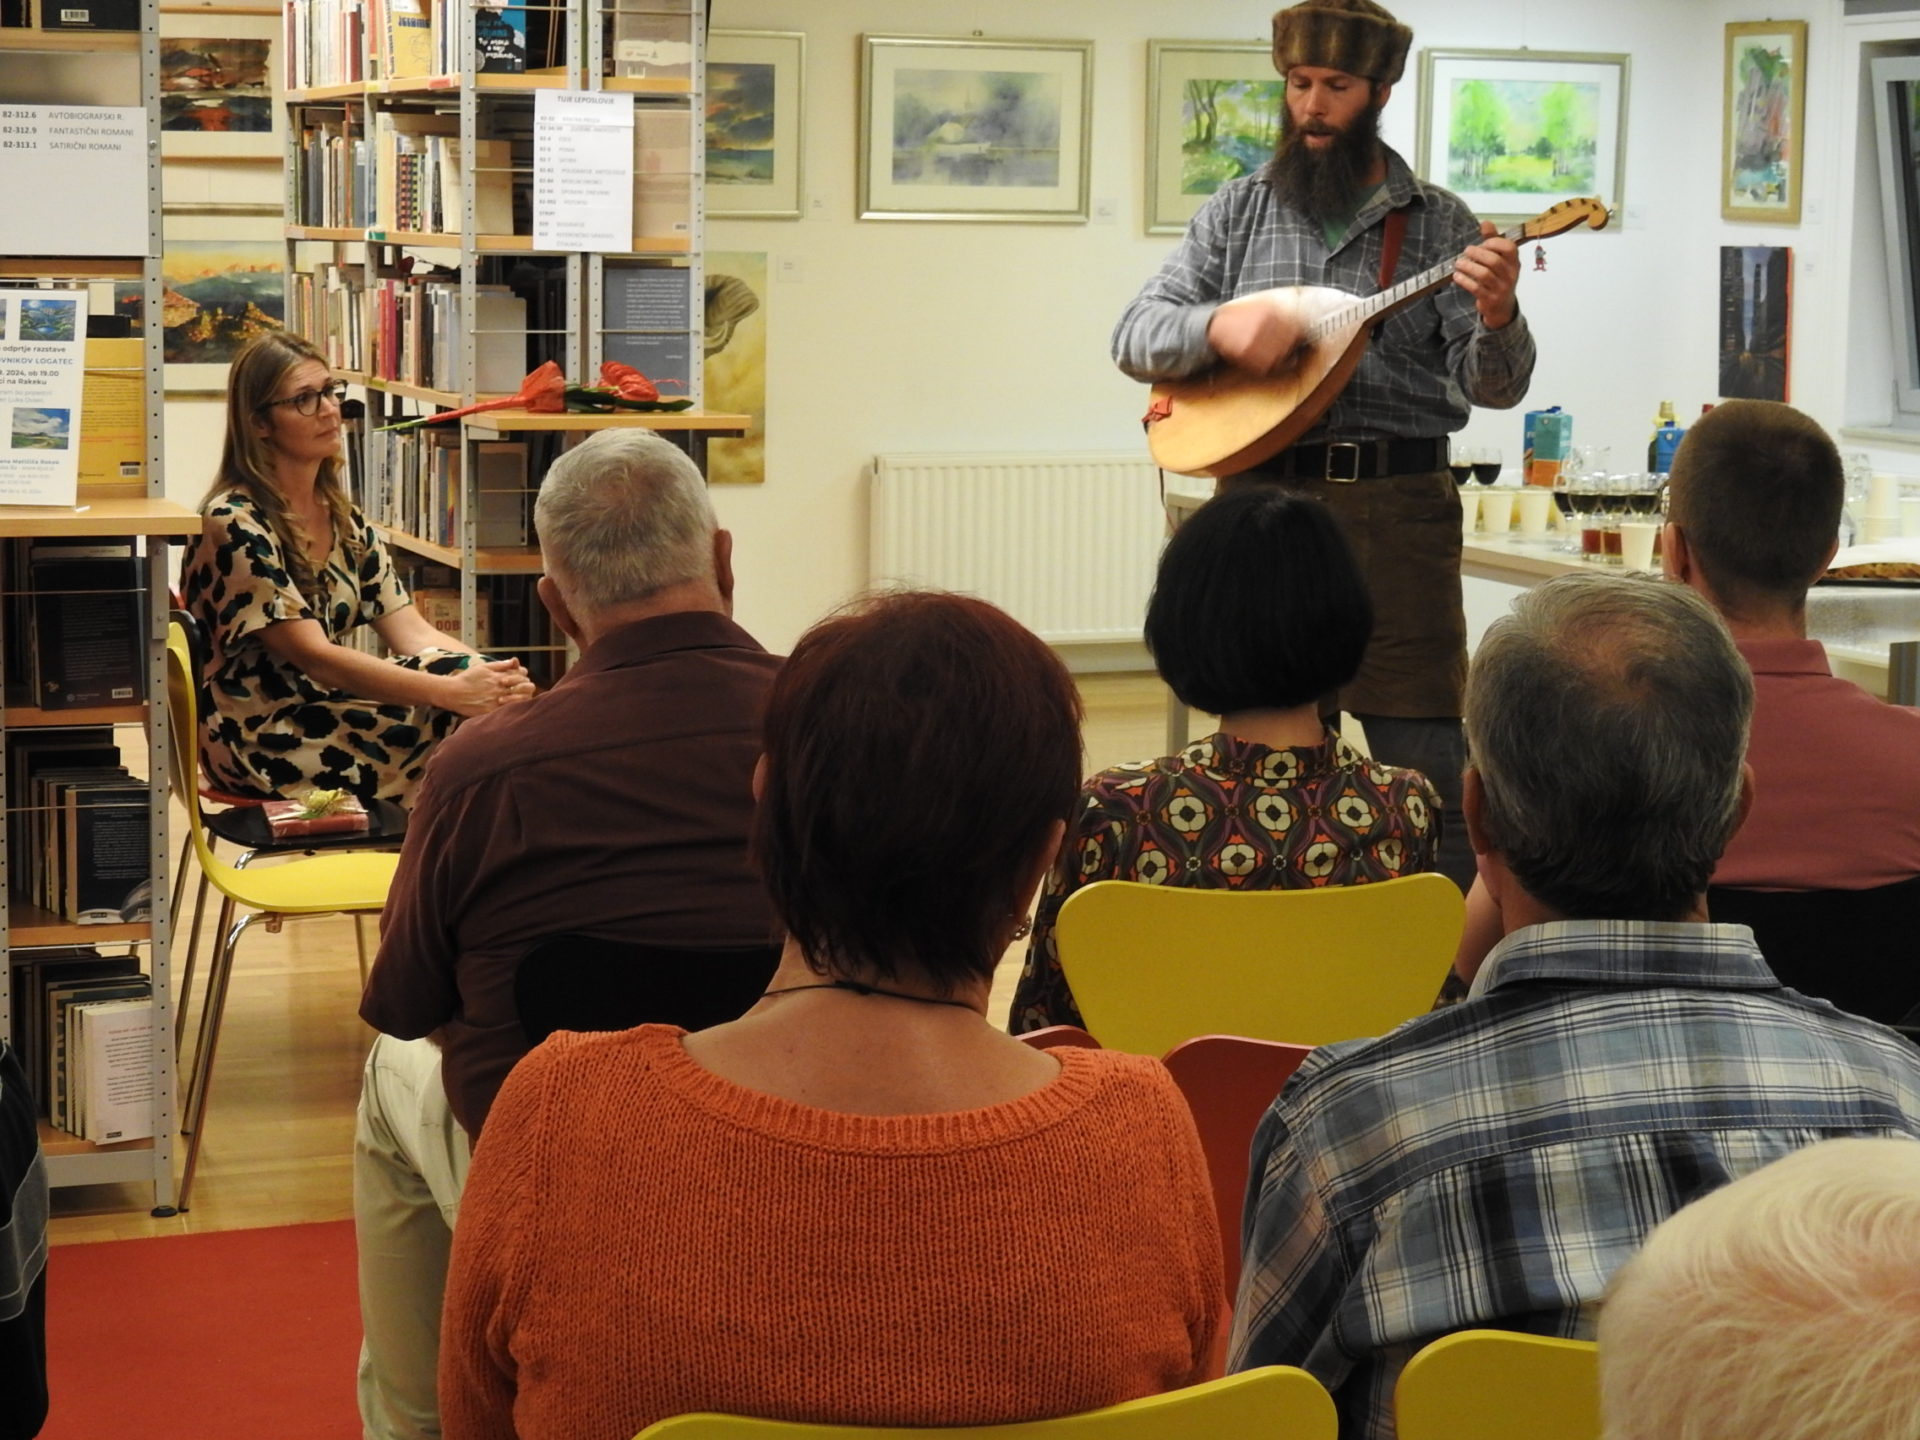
x=1227, y=813
x=269, y=729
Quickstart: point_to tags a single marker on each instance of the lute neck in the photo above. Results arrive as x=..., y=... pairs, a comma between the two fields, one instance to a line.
x=1373, y=306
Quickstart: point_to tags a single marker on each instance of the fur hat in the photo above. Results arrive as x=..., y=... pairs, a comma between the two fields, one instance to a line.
x=1356, y=36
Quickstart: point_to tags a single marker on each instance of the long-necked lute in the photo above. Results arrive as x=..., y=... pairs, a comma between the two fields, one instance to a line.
x=1227, y=420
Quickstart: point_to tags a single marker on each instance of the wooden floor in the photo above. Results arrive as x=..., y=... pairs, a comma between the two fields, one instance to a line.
x=279, y=1135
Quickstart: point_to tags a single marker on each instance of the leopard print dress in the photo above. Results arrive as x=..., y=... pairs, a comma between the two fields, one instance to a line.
x=267, y=729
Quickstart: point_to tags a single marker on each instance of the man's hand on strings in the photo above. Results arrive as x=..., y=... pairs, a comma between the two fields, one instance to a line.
x=1488, y=272
x=1254, y=337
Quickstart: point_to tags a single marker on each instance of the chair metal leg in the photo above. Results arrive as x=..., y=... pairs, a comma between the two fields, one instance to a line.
x=185, y=991
x=360, y=943
x=209, y=1016
x=218, y=977
x=180, y=882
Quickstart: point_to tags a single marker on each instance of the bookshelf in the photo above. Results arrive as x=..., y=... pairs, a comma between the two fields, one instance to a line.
x=411, y=247
x=130, y=513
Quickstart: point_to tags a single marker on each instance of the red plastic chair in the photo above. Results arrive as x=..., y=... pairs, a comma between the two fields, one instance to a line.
x=1229, y=1082
x=1054, y=1035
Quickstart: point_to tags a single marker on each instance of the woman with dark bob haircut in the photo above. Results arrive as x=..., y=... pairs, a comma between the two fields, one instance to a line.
x=858, y=1204
x=1259, y=616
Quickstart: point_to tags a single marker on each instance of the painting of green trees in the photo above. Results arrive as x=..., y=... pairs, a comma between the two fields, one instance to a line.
x=1529, y=137
x=1227, y=130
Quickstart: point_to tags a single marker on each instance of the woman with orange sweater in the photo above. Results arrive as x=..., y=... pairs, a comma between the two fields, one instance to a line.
x=859, y=1203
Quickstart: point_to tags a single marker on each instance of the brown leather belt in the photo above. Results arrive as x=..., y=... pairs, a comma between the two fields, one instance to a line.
x=1344, y=461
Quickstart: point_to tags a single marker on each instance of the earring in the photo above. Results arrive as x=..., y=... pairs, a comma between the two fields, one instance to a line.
x=1024, y=928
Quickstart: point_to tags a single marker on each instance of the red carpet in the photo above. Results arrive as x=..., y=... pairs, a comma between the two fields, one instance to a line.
x=237, y=1335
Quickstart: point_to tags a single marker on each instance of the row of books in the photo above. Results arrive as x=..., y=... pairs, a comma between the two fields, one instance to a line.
x=422, y=176
x=418, y=323
x=413, y=484
x=78, y=828
x=328, y=305
x=72, y=622
x=83, y=1029
x=326, y=43
x=331, y=184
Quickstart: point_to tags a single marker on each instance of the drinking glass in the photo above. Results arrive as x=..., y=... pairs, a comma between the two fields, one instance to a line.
x=1460, y=462
x=1486, y=464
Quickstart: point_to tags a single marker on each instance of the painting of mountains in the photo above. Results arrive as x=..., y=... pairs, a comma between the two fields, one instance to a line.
x=219, y=295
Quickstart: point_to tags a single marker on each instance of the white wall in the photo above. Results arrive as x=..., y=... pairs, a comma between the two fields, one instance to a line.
x=959, y=336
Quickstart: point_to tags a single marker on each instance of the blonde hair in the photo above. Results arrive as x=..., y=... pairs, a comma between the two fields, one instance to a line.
x=1784, y=1305
x=246, y=459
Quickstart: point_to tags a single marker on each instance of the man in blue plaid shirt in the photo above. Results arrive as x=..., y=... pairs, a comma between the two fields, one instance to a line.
x=1492, y=1164
x=1321, y=213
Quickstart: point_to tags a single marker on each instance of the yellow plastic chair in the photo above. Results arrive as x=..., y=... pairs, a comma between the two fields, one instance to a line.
x=1496, y=1385
x=353, y=882
x=1275, y=1400
x=1152, y=965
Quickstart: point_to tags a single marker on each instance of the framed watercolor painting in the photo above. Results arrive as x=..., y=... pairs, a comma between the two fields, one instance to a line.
x=1756, y=321
x=1213, y=111
x=974, y=129
x=223, y=273
x=220, y=86
x=1512, y=132
x=755, y=99
x=1763, y=117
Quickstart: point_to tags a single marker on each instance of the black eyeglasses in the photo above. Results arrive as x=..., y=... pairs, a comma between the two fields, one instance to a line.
x=308, y=402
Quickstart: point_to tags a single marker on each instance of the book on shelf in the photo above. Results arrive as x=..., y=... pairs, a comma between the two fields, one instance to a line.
x=505, y=514
x=420, y=324
x=422, y=176
x=330, y=181
x=440, y=607
x=404, y=39
x=662, y=183
x=500, y=37
x=328, y=305
x=15, y=14
x=34, y=971
x=90, y=14
x=105, y=863
x=326, y=43
x=113, y=418
x=111, y=1064
x=59, y=1051
x=652, y=41
x=646, y=315
x=87, y=600
x=31, y=753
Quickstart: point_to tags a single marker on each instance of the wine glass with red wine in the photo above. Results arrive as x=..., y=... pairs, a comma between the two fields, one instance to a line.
x=1486, y=464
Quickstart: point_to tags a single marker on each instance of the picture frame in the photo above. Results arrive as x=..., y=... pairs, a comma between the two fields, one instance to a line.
x=228, y=262
x=756, y=101
x=1512, y=132
x=220, y=85
x=1763, y=118
x=1194, y=88
x=974, y=129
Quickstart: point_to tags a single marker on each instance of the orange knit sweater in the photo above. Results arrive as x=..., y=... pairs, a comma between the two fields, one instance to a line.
x=640, y=1238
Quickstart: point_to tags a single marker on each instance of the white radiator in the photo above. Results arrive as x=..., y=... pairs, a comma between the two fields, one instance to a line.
x=1066, y=544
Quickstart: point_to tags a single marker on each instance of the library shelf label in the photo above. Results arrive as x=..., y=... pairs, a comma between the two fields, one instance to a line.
x=42, y=376
x=76, y=180
x=582, y=170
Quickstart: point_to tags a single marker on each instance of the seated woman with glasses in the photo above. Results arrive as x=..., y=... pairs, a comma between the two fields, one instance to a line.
x=284, y=567
x=1259, y=616
x=860, y=1203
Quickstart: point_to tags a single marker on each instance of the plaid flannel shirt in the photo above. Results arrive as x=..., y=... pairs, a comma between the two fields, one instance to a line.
x=1494, y=1163
x=1431, y=362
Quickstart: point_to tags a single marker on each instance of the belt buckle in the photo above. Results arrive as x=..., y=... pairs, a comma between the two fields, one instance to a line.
x=1353, y=452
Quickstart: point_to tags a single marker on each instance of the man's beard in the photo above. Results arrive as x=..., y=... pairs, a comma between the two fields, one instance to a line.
x=1325, y=184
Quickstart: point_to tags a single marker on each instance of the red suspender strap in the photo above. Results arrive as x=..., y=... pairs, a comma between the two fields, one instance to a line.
x=1396, y=231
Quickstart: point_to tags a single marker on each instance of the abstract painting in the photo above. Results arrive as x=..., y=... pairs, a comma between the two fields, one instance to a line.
x=224, y=282
x=974, y=129
x=736, y=374
x=1756, y=323
x=219, y=94
x=1765, y=111
x=755, y=99
x=1214, y=112
x=1514, y=132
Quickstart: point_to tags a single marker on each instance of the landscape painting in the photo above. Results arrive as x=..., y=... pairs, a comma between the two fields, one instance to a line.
x=38, y=428
x=1514, y=132
x=48, y=320
x=959, y=129
x=1765, y=111
x=218, y=93
x=755, y=80
x=220, y=291
x=1214, y=111
x=1756, y=296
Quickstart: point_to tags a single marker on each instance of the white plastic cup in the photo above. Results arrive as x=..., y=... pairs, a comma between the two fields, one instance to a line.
x=1883, y=496
x=1532, y=506
x=1875, y=528
x=1496, y=511
x=1469, y=509
x=1910, y=517
x=1636, y=543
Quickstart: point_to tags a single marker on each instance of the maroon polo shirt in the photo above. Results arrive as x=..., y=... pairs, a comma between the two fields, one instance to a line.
x=617, y=804
x=1836, y=779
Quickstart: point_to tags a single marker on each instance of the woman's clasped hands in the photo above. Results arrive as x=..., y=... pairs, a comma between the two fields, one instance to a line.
x=487, y=685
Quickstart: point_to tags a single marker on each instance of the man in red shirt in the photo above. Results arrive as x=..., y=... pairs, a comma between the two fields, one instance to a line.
x=614, y=806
